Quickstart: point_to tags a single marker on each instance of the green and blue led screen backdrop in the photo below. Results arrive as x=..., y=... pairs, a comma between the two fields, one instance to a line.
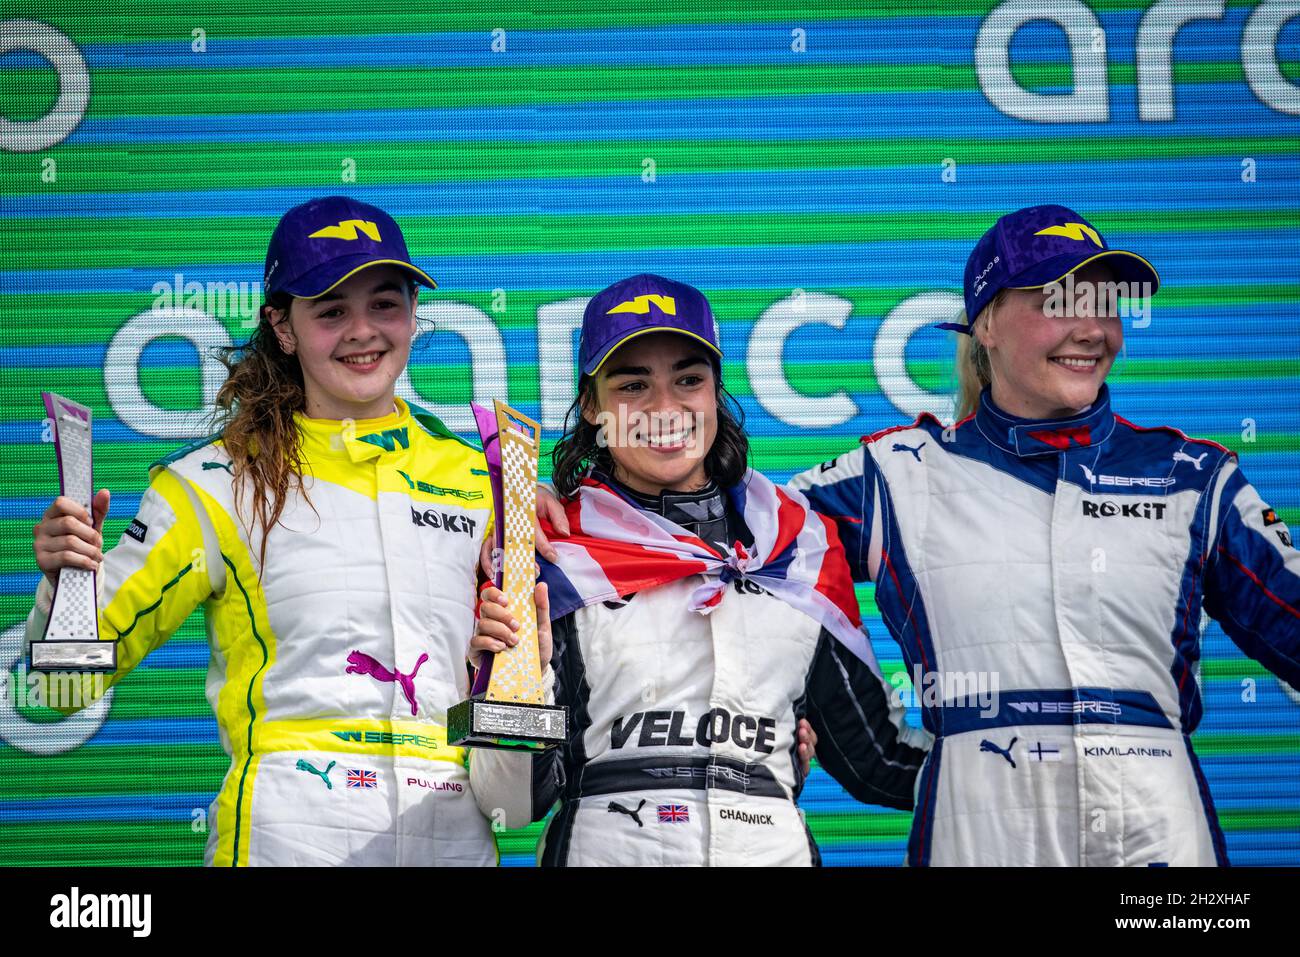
x=820, y=171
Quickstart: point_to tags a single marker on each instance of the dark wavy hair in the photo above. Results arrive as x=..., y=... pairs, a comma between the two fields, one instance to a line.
x=577, y=451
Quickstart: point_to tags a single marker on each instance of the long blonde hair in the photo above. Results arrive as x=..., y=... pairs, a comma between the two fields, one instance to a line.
x=974, y=372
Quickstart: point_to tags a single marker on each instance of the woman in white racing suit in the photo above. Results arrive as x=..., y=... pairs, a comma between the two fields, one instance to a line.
x=699, y=614
x=331, y=533
x=1046, y=543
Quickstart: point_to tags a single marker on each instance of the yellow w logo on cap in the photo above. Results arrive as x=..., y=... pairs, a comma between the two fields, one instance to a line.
x=641, y=305
x=347, y=229
x=1075, y=231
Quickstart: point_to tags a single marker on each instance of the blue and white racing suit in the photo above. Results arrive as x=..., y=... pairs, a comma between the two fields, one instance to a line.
x=1069, y=562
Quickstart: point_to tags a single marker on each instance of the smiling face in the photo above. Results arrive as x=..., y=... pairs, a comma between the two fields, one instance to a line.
x=656, y=398
x=1049, y=358
x=352, y=343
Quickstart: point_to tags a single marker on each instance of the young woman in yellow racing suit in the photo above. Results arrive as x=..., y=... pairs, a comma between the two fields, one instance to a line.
x=331, y=533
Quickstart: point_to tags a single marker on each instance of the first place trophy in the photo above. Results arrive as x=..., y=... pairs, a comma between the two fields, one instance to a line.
x=507, y=706
x=71, y=641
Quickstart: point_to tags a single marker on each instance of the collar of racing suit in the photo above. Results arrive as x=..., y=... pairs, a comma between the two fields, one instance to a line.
x=1031, y=437
x=355, y=440
x=706, y=513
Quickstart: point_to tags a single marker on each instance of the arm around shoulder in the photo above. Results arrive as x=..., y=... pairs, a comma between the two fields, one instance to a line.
x=863, y=738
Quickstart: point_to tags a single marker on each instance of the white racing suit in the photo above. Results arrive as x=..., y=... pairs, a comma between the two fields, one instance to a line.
x=1069, y=561
x=682, y=734
x=331, y=670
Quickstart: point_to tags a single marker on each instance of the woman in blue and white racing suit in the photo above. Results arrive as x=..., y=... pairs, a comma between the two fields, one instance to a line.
x=1052, y=547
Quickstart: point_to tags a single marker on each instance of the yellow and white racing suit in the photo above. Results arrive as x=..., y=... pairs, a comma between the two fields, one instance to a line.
x=333, y=664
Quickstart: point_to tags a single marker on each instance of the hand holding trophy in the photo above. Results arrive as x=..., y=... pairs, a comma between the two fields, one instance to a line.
x=507, y=706
x=71, y=640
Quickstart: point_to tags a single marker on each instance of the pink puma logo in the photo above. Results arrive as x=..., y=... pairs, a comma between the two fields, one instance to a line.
x=360, y=663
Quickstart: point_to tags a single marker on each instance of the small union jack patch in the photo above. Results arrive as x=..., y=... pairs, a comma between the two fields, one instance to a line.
x=673, y=814
x=357, y=778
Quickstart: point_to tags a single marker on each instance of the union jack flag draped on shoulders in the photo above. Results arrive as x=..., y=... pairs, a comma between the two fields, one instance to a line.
x=615, y=548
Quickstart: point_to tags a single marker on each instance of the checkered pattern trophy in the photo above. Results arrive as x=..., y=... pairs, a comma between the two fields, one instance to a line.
x=507, y=707
x=71, y=641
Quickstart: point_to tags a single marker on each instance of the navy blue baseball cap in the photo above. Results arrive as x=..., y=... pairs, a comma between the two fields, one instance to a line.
x=1035, y=246
x=640, y=305
x=319, y=244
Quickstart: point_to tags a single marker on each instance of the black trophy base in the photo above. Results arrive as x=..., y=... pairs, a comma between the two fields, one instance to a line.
x=478, y=722
x=64, y=655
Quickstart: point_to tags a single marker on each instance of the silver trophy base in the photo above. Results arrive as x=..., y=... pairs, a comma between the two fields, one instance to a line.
x=92, y=655
x=505, y=725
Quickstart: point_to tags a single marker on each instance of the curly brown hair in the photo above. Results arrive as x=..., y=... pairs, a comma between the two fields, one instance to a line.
x=255, y=415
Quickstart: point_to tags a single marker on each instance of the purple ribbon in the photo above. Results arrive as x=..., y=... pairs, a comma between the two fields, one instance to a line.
x=487, y=430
